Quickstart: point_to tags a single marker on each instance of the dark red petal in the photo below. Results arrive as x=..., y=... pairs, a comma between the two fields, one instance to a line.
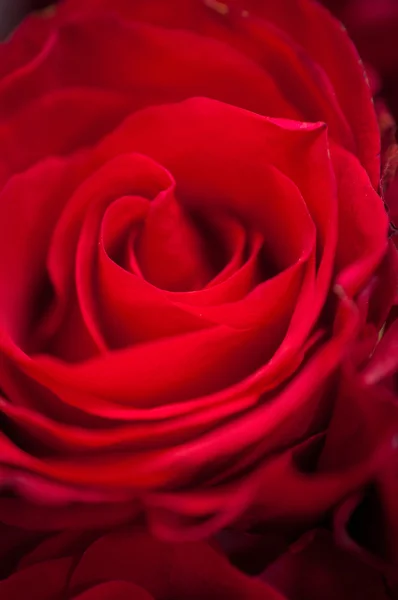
x=33, y=517
x=312, y=26
x=160, y=66
x=57, y=123
x=363, y=224
x=315, y=569
x=114, y=590
x=193, y=571
x=320, y=47
x=49, y=579
x=24, y=45
x=22, y=271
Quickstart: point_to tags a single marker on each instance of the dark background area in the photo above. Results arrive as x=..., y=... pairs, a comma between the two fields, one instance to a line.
x=13, y=11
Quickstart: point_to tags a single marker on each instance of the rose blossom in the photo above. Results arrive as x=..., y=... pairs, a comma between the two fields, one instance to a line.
x=191, y=239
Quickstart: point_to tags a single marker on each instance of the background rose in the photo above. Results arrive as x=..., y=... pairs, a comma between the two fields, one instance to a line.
x=127, y=563
x=373, y=25
x=194, y=397
x=120, y=565
x=366, y=523
x=381, y=542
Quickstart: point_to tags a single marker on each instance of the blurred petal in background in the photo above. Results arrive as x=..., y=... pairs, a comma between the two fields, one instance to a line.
x=13, y=11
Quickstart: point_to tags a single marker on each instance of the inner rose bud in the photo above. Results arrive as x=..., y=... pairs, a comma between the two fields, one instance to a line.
x=159, y=256
x=137, y=199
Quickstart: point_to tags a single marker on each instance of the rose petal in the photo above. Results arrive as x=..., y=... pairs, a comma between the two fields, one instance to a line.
x=315, y=569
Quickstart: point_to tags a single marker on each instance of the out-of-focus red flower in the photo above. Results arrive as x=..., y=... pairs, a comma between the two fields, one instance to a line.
x=373, y=25
x=124, y=564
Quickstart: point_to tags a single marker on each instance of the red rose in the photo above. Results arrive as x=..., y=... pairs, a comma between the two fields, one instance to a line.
x=187, y=252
